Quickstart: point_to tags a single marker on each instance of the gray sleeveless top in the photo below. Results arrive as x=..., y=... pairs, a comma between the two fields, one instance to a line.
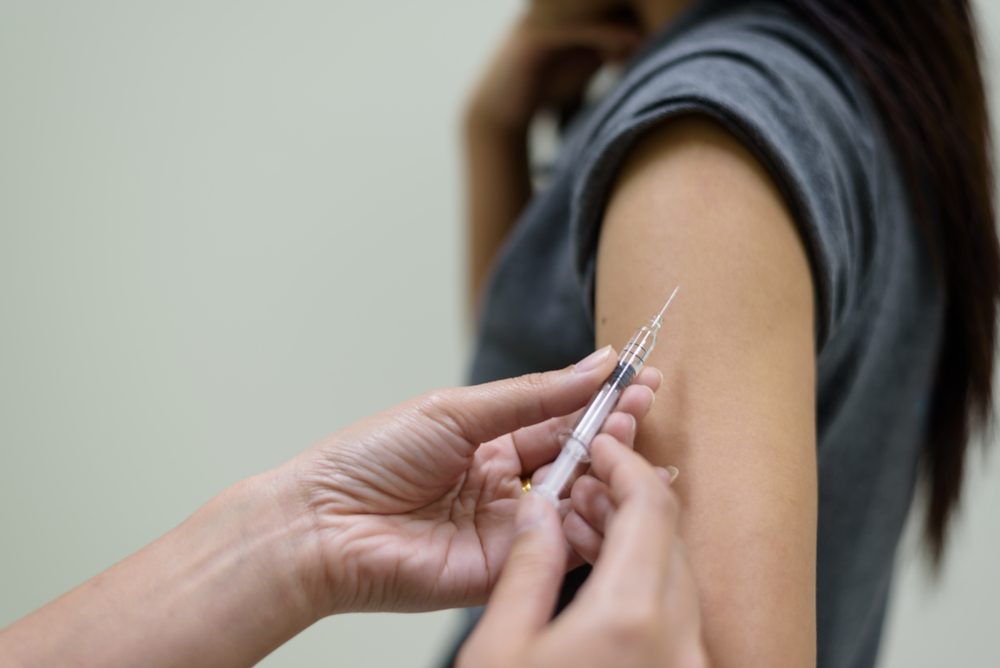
x=790, y=98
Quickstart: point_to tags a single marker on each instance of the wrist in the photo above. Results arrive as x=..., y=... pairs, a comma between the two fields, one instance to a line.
x=273, y=534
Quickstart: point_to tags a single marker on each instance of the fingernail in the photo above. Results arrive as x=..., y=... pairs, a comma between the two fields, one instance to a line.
x=593, y=360
x=530, y=512
x=674, y=472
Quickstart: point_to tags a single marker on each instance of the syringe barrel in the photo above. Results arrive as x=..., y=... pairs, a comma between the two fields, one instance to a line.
x=600, y=407
x=576, y=450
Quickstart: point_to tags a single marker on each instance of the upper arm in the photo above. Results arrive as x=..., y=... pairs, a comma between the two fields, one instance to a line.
x=737, y=411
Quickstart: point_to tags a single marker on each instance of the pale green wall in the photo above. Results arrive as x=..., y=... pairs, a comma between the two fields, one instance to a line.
x=210, y=214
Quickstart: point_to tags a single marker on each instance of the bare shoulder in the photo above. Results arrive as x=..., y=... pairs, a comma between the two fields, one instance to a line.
x=693, y=207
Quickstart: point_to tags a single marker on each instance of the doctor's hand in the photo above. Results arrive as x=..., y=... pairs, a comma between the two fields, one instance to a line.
x=413, y=509
x=638, y=608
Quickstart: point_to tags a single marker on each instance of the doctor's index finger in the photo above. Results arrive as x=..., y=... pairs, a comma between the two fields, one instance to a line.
x=641, y=532
x=483, y=412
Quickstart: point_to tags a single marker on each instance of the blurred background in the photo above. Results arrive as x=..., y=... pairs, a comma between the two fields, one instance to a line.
x=229, y=228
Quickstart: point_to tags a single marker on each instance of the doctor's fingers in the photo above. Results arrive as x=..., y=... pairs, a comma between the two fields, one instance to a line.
x=539, y=444
x=590, y=511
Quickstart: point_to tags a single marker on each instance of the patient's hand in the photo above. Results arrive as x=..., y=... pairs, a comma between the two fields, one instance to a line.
x=413, y=508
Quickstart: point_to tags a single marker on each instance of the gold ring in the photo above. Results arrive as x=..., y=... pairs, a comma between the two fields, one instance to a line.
x=525, y=484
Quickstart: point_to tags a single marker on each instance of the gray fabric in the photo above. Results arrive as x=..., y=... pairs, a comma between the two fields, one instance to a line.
x=789, y=97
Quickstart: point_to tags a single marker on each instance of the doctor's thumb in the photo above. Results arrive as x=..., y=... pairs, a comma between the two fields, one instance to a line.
x=524, y=597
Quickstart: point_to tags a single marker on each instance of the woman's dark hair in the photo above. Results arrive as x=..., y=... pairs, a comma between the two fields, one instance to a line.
x=920, y=63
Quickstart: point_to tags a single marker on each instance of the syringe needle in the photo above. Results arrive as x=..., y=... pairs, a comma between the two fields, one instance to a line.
x=659, y=316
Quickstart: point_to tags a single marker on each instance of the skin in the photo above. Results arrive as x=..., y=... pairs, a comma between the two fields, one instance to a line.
x=434, y=512
x=545, y=62
x=618, y=617
x=411, y=509
x=541, y=64
x=739, y=416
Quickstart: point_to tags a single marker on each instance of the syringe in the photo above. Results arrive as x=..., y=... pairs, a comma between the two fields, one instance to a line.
x=576, y=451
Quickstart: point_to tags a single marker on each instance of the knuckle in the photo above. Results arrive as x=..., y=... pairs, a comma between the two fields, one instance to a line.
x=534, y=382
x=624, y=635
x=435, y=401
x=525, y=564
x=581, y=492
x=439, y=406
x=634, y=625
x=535, y=386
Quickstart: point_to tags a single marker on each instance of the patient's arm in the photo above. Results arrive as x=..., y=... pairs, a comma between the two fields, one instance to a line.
x=737, y=412
x=545, y=62
x=498, y=186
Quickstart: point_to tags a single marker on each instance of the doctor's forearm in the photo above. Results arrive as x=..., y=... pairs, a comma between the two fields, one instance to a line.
x=224, y=588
